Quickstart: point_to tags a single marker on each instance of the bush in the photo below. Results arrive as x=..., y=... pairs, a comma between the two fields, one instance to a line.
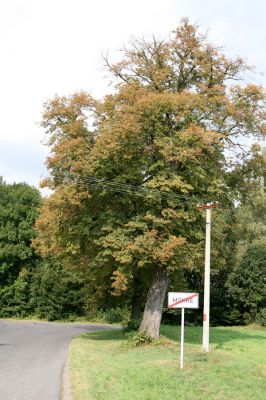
x=56, y=293
x=139, y=339
x=132, y=325
x=110, y=316
x=117, y=315
x=14, y=298
x=261, y=318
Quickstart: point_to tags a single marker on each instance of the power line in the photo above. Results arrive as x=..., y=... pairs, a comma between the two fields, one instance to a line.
x=128, y=189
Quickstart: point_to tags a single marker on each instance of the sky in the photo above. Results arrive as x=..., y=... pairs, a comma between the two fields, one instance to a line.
x=50, y=47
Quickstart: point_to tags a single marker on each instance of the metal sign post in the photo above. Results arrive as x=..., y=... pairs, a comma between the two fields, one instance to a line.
x=183, y=300
x=182, y=338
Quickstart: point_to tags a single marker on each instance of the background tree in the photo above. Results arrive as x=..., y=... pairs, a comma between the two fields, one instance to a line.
x=55, y=292
x=30, y=285
x=174, y=111
x=246, y=283
x=18, y=211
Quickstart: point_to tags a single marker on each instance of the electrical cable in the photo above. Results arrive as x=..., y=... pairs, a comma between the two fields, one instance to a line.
x=123, y=188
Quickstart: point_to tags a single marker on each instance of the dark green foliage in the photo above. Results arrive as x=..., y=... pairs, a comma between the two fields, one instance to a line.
x=14, y=298
x=138, y=339
x=29, y=285
x=18, y=211
x=109, y=315
x=247, y=284
x=56, y=293
x=132, y=325
x=244, y=288
x=117, y=315
x=47, y=291
x=261, y=318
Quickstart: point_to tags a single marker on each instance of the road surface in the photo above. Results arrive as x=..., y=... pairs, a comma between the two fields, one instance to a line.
x=33, y=356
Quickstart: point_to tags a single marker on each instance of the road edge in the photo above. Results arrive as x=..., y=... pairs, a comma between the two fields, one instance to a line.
x=66, y=384
x=66, y=390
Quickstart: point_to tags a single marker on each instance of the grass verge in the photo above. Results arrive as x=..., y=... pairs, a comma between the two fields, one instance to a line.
x=103, y=367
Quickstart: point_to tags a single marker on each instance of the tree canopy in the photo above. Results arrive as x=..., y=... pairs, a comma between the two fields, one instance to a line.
x=127, y=171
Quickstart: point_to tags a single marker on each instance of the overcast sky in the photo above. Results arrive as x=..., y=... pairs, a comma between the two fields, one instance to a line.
x=53, y=47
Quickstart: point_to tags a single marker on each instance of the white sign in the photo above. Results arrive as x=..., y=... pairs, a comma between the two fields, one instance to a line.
x=183, y=300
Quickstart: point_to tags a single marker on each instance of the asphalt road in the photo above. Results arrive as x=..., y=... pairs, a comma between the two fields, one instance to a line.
x=33, y=356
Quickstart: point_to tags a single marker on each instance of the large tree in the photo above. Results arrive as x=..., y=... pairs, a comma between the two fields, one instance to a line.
x=127, y=171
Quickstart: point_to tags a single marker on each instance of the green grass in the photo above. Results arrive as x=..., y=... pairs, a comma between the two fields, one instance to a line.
x=102, y=367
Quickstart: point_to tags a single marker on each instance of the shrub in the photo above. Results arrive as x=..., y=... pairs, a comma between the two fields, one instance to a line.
x=56, y=293
x=117, y=315
x=139, y=339
x=14, y=298
x=132, y=325
x=261, y=318
x=110, y=316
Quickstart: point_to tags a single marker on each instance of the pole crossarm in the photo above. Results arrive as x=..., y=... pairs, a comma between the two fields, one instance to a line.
x=207, y=206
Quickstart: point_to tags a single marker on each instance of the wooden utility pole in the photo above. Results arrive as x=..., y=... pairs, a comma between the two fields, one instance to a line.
x=207, y=272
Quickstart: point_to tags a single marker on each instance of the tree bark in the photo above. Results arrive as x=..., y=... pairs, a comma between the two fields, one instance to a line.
x=154, y=305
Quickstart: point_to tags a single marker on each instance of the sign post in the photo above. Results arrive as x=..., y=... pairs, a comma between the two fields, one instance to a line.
x=182, y=338
x=183, y=300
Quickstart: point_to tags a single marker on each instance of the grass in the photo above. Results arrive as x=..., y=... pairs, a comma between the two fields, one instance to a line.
x=103, y=367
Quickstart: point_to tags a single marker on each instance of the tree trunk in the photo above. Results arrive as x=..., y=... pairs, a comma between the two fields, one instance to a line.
x=154, y=305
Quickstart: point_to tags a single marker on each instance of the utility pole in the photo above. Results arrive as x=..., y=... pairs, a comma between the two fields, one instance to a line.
x=207, y=272
x=263, y=177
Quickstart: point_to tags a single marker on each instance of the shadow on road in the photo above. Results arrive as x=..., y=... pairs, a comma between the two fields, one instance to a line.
x=105, y=335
